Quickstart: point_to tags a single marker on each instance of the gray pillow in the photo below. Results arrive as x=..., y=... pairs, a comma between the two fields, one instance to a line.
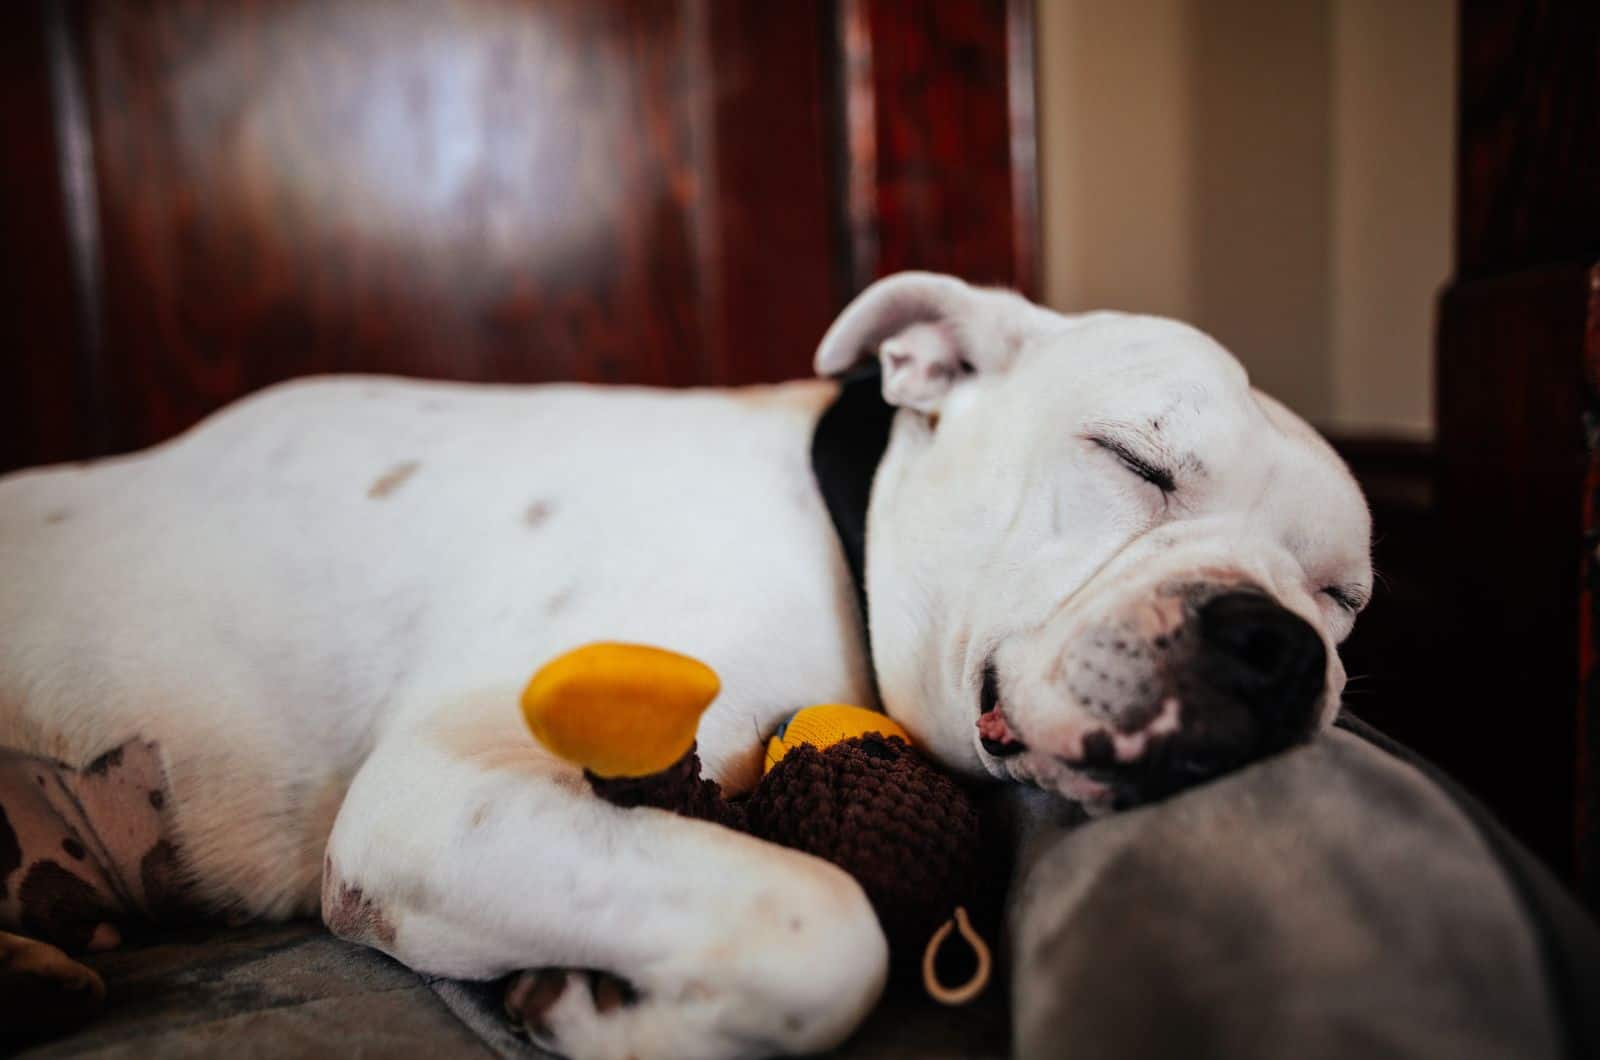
x=1337, y=900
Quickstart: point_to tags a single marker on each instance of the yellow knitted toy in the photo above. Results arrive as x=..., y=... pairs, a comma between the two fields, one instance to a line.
x=826, y=724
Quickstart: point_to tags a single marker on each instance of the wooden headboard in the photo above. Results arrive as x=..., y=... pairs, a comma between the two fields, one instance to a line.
x=205, y=197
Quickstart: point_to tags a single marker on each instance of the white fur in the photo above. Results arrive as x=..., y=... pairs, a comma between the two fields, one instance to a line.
x=323, y=601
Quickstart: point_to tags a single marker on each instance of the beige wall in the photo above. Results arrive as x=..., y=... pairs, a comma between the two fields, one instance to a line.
x=1394, y=131
x=1277, y=173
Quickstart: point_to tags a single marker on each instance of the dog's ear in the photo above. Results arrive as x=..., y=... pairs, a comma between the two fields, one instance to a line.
x=929, y=330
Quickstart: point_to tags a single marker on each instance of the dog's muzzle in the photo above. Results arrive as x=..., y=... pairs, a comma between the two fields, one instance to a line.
x=1238, y=678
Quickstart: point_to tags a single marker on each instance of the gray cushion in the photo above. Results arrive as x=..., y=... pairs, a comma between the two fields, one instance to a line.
x=1332, y=901
x=267, y=990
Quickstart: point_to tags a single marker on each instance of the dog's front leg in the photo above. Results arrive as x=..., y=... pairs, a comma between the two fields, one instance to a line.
x=463, y=849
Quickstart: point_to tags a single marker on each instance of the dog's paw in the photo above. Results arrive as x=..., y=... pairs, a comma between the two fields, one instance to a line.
x=572, y=1012
x=42, y=990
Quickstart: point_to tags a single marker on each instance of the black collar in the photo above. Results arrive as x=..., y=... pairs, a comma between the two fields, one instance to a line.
x=846, y=448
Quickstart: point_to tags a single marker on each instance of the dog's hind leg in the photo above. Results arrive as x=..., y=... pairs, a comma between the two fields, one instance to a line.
x=467, y=851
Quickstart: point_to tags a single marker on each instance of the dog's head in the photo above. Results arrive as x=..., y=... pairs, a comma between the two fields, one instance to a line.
x=1097, y=560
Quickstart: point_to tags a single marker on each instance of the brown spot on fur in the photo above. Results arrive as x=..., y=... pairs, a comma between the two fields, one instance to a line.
x=59, y=907
x=480, y=815
x=350, y=914
x=105, y=763
x=391, y=480
x=158, y=799
x=560, y=601
x=10, y=851
x=57, y=517
x=538, y=513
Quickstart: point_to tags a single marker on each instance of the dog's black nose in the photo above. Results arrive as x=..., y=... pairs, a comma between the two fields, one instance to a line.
x=1250, y=681
x=1265, y=656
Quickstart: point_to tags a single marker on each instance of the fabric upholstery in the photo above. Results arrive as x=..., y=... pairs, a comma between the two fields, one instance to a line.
x=1332, y=901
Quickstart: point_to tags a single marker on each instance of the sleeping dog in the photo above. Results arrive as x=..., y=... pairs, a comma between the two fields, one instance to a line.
x=271, y=667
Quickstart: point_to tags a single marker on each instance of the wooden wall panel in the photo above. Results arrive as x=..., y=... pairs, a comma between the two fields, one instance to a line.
x=1587, y=728
x=466, y=190
x=953, y=179
x=44, y=411
x=1516, y=328
x=1511, y=463
x=774, y=259
x=643, y=191
x=1529, y=165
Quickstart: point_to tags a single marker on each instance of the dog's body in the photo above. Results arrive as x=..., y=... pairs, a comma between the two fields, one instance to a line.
x=314, y=612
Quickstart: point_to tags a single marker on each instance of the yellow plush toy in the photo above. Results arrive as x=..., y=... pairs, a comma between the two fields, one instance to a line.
x=619, y=710
x=841, y=782
x=826, y=724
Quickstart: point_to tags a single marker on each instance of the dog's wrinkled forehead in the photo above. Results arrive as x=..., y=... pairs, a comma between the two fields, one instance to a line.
x=1146, y=374
x=1169, y=404
x=1161, y=395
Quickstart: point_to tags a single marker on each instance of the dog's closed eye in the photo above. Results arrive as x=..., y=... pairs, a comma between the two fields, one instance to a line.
x=1350, y=600
x=1159, y=477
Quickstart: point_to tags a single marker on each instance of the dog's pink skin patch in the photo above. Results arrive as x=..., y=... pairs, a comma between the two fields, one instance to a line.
x=350, y=913
x=93, y=845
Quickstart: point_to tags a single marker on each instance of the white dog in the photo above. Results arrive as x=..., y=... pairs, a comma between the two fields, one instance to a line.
x=274, y=663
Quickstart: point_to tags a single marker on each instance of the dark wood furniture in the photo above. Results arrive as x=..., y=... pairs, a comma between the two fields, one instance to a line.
x=1519, y=338
x=204, y=198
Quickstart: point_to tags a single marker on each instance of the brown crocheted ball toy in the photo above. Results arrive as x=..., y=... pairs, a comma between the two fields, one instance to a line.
x=842, y=783
x=880, y=811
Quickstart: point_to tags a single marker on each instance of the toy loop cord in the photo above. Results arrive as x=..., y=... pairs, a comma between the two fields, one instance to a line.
x=957, y=995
